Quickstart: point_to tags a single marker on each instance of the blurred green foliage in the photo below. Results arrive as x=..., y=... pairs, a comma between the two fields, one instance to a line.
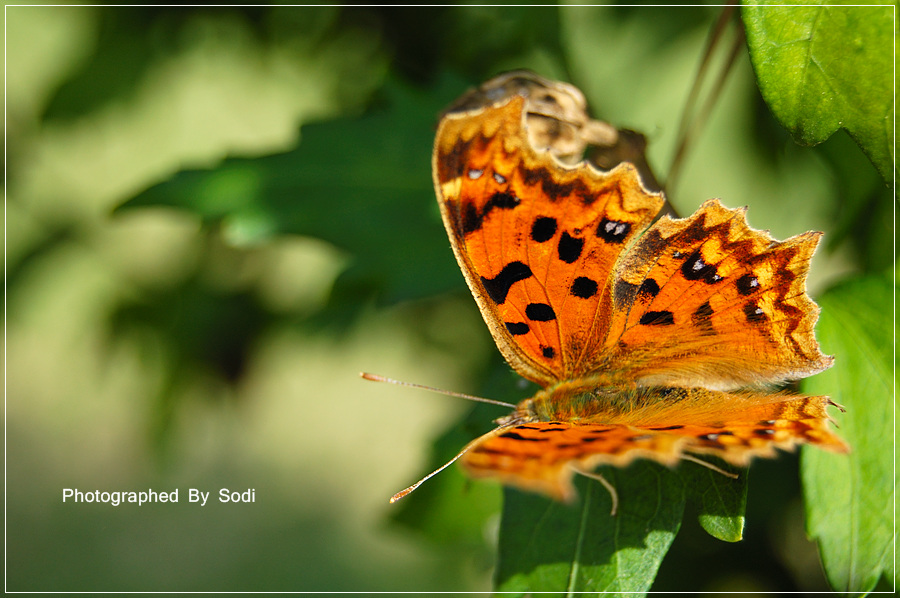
x=217, y=216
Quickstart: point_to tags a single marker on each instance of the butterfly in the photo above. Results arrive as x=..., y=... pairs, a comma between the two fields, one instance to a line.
x=657, y=340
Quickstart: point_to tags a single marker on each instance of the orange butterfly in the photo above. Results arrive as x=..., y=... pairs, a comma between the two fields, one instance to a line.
x=659, y=343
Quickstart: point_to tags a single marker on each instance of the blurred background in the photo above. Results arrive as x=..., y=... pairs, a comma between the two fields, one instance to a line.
x=217, y=217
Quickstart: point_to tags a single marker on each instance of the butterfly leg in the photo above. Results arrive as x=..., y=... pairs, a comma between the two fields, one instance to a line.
x=609, y=487
x=693, y=459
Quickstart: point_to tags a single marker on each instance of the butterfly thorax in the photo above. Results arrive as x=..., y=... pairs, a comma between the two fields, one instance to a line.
x=595, y=399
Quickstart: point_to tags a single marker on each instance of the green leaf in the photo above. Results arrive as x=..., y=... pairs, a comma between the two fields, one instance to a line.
x=722, y=499
x=546, y=546
x=821, y=68
x=849, y=498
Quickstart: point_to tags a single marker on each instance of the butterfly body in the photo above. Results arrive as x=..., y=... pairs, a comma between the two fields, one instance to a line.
x=649, y=339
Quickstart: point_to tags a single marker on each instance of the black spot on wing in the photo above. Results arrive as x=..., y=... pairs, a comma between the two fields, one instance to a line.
x=657, y=318
x=540, y=312
x=517, y=328
x=515, y=436
x=600, y=430
x=583, y=287
x=746, y=284
x=503, y=201
x=569, y=248
x=543, y=229
x=613, y=231
x=594, y=438
x=561, y=425
x=548, y=352
x=649, y=288
x=694, y=268
x=498, y=287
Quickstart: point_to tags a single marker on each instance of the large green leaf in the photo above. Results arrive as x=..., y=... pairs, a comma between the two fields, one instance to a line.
x=546, y=546
x=849, y=498
x=821, y=68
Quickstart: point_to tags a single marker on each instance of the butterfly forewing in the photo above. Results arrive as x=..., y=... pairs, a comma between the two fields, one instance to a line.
x=536, y=240
x=708, y=301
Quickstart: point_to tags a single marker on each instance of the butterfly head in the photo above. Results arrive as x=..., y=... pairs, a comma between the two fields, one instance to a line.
x=523, y=413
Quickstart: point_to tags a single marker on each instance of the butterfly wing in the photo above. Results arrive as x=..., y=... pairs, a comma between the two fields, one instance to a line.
x=708, y=301
x=536, y=240
x=547, y=251
x=542, y=456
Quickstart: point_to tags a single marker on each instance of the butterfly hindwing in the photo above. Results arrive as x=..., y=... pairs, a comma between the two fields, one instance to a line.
x=542, y=456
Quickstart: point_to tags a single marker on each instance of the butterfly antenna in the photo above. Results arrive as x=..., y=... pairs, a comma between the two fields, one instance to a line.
x=708, y=465
x=406, y=491
x=377, y=378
